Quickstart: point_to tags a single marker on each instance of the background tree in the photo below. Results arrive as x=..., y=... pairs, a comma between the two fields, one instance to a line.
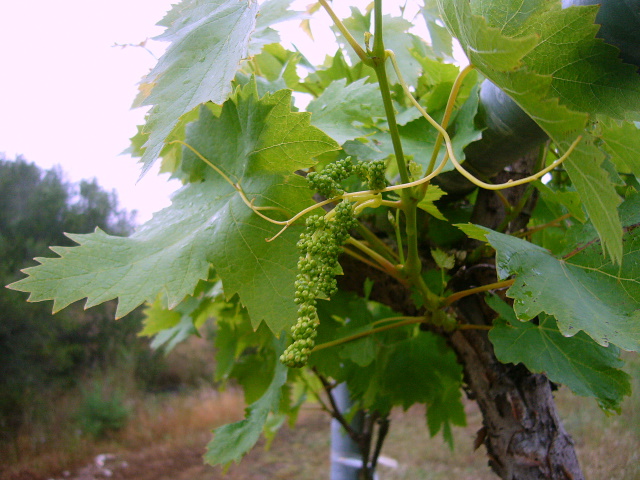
x=41, y=351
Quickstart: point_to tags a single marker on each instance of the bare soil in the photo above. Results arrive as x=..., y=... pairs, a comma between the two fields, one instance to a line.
x=169, y=462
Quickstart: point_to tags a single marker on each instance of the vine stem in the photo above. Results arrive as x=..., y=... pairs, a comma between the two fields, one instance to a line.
x=453, y=95
x=356, y=336
x=484, y=288
x=412, y=266
x=470, y=326
x=362, y=259
x=385, y=264
x=345, y=32
x=334, y=411
x=379, y=65
x=537, y=228
x=381, y=247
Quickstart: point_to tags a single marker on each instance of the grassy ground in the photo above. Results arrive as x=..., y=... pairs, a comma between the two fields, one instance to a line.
x=166, y=439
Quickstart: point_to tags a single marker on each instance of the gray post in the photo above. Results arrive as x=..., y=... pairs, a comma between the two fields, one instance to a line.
x=346, y=460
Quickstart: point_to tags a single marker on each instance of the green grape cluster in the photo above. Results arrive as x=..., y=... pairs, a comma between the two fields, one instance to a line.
x=373, y=173
x=327, y=182
x=320, y=246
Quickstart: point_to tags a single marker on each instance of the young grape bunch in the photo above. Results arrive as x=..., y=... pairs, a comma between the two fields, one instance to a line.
x=373, y=173
x=327, y=182
x=320, y=246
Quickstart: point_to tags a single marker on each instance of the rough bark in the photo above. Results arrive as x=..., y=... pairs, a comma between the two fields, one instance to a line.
x=523, y=434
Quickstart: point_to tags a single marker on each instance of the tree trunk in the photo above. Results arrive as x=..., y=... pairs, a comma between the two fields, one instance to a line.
x=522, y=432
x=524, y=436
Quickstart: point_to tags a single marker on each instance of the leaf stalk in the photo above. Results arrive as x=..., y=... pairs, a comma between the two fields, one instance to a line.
x=484, y=288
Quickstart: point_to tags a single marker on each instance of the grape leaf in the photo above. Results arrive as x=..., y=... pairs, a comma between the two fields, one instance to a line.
x=475, y=232
x=584, y=292
x=334, y=68
x=271, y=13
x=208, y=41
x=255, y=141
x=370, y=365
x=598, y=194
x=623, y=142
x=486, y=46
x=277, y=67
x=434, y=193
x=343, y=111
x=586, y=73
x=430, y=375
x=512, y=51
x=231, y=442
x=556, y=199
x=170, y=327
x=586, y=368
x=441, y=40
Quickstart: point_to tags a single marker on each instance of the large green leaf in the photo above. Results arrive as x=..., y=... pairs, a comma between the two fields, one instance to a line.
x=255, y=142
x=586, y=74
x=208, y=39
x=586, y=368
x=584, y=292
x=343, y=111
x=231, y=442
x=486, y=46
x=550, y=63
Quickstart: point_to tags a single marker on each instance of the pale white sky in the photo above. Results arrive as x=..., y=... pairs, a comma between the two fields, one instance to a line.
x=66, y=91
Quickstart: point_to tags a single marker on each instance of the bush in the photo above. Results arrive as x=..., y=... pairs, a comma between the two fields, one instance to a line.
x=101, y=412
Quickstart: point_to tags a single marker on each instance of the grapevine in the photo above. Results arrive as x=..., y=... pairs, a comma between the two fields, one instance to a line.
x=425, y=264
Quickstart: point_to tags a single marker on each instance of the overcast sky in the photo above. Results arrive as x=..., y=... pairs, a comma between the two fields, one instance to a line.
x=66, y=91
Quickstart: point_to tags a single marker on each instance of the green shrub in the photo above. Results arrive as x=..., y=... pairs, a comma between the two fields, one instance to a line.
x=101, y=412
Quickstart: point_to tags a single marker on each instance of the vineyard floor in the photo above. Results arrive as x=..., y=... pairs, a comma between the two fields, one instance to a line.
x=608, y=447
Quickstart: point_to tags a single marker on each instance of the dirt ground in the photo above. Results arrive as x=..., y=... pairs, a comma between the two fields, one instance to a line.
x=165, y=462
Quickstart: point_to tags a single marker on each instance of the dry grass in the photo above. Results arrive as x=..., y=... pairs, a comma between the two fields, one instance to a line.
x=175, y=421
x=166, y=438
x=608, y=446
